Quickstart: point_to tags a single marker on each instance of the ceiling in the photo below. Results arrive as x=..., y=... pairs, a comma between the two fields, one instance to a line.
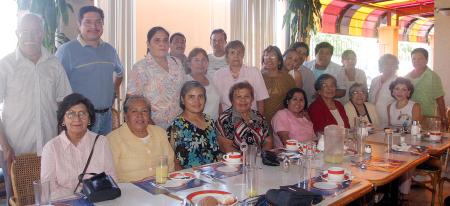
x=415, y=18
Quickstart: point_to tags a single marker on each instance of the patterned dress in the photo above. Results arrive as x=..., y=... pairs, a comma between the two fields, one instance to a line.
x=194, y=146
x=232, y=126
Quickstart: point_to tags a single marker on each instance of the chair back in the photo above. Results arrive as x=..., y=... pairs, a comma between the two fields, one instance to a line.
x=25, y=169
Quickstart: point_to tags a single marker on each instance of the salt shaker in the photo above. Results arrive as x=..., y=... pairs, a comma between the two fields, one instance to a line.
x=286, y=164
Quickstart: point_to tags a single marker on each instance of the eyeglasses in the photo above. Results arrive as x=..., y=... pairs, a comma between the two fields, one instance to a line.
x=272, y=57
x=81, y=114
x=97, y=23
x=359, y=92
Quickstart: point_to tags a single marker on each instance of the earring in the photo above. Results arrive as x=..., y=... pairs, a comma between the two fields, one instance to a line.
x=63, y=125
x=89, y=123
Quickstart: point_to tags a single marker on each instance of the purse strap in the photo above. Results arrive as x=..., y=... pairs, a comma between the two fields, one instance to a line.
x=80, y=177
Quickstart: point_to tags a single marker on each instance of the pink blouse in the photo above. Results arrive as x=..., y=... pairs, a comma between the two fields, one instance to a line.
x=300, y=129
x=62, y=162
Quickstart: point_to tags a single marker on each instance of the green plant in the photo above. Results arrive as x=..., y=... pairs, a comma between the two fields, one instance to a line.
x=302, y=16
x=52, y=11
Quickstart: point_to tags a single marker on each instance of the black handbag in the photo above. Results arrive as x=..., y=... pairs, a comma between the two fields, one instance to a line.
x=99, y=187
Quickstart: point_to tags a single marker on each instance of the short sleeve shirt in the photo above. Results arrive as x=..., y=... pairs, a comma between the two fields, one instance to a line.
x=224, y=81
x=427, y=88
x=333, y=69
x=232, y=126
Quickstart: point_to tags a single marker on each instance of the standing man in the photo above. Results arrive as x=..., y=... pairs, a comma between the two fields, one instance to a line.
x=90, y=64
x=218, y=41
x=177, y=44
x=428, y=90
x=32, y=82
x=308, y=78
x=323, y=65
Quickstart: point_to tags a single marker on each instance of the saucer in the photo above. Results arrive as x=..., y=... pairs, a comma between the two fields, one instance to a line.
x=325, y=185
x=325, y=177
x=227, y=169
x=232, y=163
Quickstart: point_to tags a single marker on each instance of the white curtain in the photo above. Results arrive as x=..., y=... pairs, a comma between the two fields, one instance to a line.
x=253, y=23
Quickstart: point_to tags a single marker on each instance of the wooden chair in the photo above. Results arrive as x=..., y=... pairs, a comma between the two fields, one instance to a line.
x=24, y=170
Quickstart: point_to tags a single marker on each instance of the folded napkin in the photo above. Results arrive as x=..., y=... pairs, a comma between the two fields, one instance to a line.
x=402, y=148
x=292, y=195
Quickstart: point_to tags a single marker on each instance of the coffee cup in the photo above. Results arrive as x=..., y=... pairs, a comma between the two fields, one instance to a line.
x=232, y=157
x=435, y=135
x=336, y=174
x=292, y=145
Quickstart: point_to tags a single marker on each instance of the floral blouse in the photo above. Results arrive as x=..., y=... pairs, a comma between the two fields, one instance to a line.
x=160, y=87
x=231, y=126
x=193, y=146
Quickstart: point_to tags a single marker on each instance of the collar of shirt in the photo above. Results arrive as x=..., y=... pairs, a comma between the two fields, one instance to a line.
x=44, y=55
x=67, y=143
x=237, y=117
x=84, y=44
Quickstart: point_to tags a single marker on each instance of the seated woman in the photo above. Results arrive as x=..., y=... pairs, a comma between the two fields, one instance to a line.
x=136, y=146
x=359, y=107
x=194, y=133
x=292, y=122
x=242, y=124
x=325, y=110
x=65, y=156
x=402, y=111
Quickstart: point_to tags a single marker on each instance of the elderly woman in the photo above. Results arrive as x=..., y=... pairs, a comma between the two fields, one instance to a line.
x=352, y=74
x=293, y=121
x=158, y=77
x=136, y=146
x=379, y=94
x=278, y=82
x=65, y=156
x=242, y=124
x=193, y=134
x=197, y=67
x=359, y=107
x=236, y=72
x=291, y=65
x=402, y=111
x=325, y=110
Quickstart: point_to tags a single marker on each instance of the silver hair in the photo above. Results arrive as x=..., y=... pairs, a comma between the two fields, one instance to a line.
x=354, y=87
x=23, y=15
x=132, y=98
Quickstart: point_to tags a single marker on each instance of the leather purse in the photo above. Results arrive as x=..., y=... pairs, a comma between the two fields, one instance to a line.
x=269, y=158
x=99, y=187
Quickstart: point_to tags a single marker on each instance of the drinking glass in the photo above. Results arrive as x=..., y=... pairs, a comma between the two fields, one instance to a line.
x=305, y=169
x=435, y=129
x=250, y=156
x=162, y=170
x=41, y=192
x=251, y=182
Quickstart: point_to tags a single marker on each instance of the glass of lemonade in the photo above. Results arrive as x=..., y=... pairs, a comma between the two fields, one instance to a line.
x=162, y=170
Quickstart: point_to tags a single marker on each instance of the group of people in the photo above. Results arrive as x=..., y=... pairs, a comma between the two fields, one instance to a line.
x=191, y=108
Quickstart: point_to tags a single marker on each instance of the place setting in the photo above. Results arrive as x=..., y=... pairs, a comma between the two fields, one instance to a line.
x=231, y=165
x=174, y=182
x=331, y=181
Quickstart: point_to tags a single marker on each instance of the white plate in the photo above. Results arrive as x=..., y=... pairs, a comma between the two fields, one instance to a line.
x=181, y=175
x=221, y=196
x=232, y=163
x=325, y=185
x=227, y=169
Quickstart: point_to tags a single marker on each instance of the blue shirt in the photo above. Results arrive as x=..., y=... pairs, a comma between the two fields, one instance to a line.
x=90, y=70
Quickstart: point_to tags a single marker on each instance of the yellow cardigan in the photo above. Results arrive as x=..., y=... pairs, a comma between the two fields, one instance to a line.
x=351, y=114
x=135, y=160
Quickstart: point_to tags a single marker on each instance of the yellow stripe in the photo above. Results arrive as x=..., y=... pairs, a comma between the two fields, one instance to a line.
x=357, y=21
x=384, y=3
x=414, y=30
x=91, y=63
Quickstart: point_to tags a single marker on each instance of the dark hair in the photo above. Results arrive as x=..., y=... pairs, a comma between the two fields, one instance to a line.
x=347, y=53
x=188, y=86
x=277, y=52
x=131, y=98
x=152, y=33
x=297, y=45
x=238, y=86
x=290, y=94
x=322, y=78
x=383, y=59
x=194, y=52
x=68, y=102
x=423, y=51
x=401, y=80
x=234, y=45
x=288, y=51
x=218, y=31
x=176, y=34
x=87, y=9
x=323, y=45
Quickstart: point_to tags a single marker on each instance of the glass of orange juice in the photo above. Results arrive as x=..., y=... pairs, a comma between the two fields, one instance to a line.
x=162, y=170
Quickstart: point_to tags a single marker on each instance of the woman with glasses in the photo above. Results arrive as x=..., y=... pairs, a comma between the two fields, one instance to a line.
x=359, y=107
x=278, y=83
x=325, y=110
x=65, y=156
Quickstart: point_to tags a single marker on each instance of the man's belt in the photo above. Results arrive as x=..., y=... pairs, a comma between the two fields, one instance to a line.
x=101, y=110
